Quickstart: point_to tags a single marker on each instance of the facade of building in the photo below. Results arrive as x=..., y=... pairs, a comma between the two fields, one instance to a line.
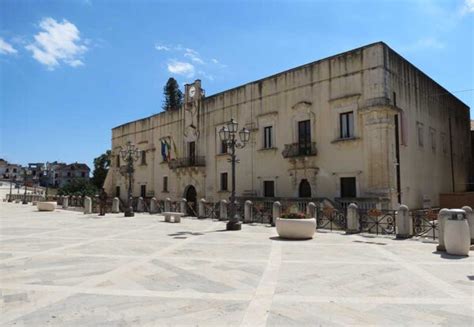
x=63, y=174
x=10, y=171
x=362, y=124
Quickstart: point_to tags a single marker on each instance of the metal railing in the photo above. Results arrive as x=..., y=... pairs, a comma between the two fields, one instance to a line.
x=331, y=218
x=425, y=222
x=377, y=221
x=299, y=149
x=196, y=161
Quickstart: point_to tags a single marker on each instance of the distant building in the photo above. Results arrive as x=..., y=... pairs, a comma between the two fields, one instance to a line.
x=9, y=170
x=63, y=174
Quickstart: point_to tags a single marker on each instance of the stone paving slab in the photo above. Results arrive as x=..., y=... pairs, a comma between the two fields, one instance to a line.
x=70, y=269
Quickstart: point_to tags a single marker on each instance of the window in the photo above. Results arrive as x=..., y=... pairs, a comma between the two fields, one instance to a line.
x=269, y=189
x=433, y=139
x=267, y=137
x=192, y=153
x=346, y=122
x=68, y=174
x=143, y=154
x=165, y=183
x=117, y=191
x=419, y=128
x=143, y=191
x=7, y=170
x=348, y=187
x=14, y=170
x=223, y=147
x=118, y=160
x=224, y=182
x=304, y=137
x=83, y=174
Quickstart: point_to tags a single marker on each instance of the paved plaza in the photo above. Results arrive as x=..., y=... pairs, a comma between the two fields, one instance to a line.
x=65, y=268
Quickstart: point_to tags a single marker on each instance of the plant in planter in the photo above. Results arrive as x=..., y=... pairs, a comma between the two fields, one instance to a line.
x=295, y=225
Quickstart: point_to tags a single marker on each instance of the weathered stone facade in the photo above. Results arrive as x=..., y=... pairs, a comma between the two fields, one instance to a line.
x=358, y=104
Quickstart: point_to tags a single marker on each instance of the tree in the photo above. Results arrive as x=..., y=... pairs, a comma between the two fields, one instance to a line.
x=101, y=168
x=173, y=95
x=78, y=186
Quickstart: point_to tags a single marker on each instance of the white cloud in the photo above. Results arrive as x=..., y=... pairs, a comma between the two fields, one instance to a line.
x=181, y=68
x=58, y=42
x=162, y=47
x=6, y=48
x=468, y=7
x=193, y=55
x=214, y=60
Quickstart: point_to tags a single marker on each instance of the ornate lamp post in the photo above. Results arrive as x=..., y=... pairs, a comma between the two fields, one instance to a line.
x=130, y=154
x=26, y=173
x=228, y=134
x=47, y=173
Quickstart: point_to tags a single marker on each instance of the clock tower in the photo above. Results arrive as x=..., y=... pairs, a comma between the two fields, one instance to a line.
x=192, y=104
x=193, y=92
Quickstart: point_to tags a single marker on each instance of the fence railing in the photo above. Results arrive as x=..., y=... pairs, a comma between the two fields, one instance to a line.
x=377, y=221
x=425, y=222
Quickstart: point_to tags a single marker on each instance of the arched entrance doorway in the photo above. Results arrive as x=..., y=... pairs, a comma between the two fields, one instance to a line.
x=305, y=189
x=190, y=196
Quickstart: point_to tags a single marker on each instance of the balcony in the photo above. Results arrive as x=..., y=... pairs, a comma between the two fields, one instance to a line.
x=197, y=161
x=299, y=150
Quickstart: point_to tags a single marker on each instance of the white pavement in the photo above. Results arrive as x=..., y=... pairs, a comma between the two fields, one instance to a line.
x=65, y=268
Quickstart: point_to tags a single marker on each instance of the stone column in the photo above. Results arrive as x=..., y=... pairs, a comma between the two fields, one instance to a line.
x=140, y=205
x=470, y=221
x=311, y=210
x=202, y=208
x=87, y=205
x=353, y=226
x=276, y=211
x=223, y=210
x=65, y=202
x=248, y=211
x=404, y=223
x=183, y=206
x=441, y=220
x=153, y=205
x=115, y=205
x=167, y=205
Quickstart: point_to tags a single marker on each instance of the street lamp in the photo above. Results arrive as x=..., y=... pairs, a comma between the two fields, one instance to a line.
x=26, y=173
x=129, y=154
x=228, y=134
x=12, y=178
x=47, y=172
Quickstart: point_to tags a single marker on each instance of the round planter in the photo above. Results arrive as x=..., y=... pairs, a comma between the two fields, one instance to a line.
x=457, y=238
x=296, y=229
x=46, y=206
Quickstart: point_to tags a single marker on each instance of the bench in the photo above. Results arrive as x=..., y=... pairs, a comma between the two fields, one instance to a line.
x=46, y=206
x=175, y=215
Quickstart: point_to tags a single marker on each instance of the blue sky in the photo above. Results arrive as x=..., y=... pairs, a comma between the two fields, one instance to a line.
x=72, y=70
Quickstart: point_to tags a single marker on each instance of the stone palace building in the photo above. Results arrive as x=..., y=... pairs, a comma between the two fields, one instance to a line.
x=363, y=125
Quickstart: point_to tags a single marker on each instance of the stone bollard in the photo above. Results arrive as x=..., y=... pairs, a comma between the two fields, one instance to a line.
x=352, y=219
x=140, y=205
x=183, y=206
x=223, y=210
x=65, y=202
x=442, y=215
x=115, y=205
x=153, y=205
x=87, y=205
x=248, y=211
x=404, y=223
x=311, y=210
x=470, y=221
x=202, y=208
x=276, y=211
x=167, y=205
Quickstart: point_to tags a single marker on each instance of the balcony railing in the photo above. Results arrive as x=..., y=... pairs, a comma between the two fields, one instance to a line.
x=299, y=149
x=187, y=162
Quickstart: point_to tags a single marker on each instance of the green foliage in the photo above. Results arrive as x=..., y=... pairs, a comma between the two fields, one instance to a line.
x=101, y=167
x=173, y=95
x=78, y=186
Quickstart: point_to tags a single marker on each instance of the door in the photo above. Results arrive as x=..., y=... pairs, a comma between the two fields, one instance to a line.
x=348, y=187
x=190, y=197
x=305, y=189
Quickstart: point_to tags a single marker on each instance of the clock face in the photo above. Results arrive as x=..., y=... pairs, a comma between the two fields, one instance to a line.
x=192, y=91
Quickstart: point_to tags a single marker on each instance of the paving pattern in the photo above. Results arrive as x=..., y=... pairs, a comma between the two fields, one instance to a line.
x=65, y=268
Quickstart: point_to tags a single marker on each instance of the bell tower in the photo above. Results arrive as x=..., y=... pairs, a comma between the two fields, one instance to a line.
x=192, y=103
